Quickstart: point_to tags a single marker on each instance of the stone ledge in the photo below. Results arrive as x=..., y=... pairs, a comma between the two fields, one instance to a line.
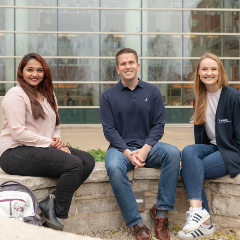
x=99, y=174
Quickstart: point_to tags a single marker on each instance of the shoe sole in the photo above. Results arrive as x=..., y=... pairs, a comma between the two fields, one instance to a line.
x=198, y=225
x=52, y=225
x=202, y=236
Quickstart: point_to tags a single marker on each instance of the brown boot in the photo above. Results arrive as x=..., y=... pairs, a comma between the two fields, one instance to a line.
x=161, y=225
x=142, y=233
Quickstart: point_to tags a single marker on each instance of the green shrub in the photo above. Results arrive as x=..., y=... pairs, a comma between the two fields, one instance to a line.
x=99, y=155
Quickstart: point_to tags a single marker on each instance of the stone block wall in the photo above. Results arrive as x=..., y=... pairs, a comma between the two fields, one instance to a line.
x=94, y=207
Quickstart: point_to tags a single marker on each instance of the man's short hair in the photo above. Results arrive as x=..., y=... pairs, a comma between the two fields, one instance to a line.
x=126, y=50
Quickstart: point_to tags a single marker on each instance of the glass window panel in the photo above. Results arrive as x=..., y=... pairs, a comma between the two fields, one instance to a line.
x=231, y=46
x=231, y=22
x=78, y=20
x=162, y=21
x=7, y=19
x=162, y=45
x=162, y=3
x=196, y=46
x=161, y=69
x=189, y=68
x=203, y=3
x=79, y=116
x=176, y=94
x=43, y=44
x=44, y=19
x=78, y=3
x=111, y=44
x=121, y=3
x=231, y=4
x=232, y=69
x=81, y=94
x=78, y=44
x=7, y=69
x=120, y=21
x=92, y=116
x=200, y=21
x=237, y=86
x=178, y=115
x=7, y=2
x=78, y=70
x=51, y=3
x=7, y=44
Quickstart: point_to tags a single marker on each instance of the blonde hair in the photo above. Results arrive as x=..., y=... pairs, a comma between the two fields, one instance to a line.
x=200, y=90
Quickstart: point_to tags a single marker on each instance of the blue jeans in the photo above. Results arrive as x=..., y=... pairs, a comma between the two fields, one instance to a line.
x=199, y=162
x=161, y=155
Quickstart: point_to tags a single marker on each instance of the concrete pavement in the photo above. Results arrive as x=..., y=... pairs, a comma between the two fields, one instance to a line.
x=92, y=137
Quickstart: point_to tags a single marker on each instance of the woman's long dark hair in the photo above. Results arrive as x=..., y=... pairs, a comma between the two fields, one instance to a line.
x=45, y=87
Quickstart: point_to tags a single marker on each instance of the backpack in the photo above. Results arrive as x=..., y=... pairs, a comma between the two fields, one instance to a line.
x=19, y=202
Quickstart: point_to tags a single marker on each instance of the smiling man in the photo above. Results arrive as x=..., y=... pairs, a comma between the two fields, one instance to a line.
x=133, y=117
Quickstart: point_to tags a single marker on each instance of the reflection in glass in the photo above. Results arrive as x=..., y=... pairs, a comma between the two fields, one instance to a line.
x=78, y=20
x=200, y=21
x=196, y=46
x=7, y=19
x=78, y=3
x=81, y=94
x=162, y=70
x=162, y=3
x=7, y=74
x=231, y=22
x=203, y=3
x=43, y=44
x=120, y=21
x=231, y=46
x=78, y=44
x=162, y=21
x=112, y=43
x=50, y=3
x=189, y=68
x=108, y=70
x=121, y=3
x=7, y=2
x=44, y=19
x=178, y=115
x=162, y=45
x=6, y=44
x=232, y=69
x=176, y=94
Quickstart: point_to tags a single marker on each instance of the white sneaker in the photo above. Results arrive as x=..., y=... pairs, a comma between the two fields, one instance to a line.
x=201, y=232
x=194, y=219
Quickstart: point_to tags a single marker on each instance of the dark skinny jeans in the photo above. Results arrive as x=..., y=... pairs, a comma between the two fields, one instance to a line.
x=71, y=169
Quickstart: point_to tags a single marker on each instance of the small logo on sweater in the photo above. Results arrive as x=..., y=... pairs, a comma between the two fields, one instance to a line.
x=19, y=209
x=224, y=121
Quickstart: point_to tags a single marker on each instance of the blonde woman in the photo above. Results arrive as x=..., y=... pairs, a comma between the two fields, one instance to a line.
x=216, y=151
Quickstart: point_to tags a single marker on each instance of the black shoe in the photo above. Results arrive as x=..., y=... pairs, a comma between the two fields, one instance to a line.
x=47, y=207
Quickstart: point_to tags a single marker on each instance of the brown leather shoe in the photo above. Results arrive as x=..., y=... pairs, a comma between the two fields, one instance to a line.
x=161, y=225
x=142, y=233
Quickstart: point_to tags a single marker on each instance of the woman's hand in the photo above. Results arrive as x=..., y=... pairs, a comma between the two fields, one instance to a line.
x=58, y=143
x=65, y=149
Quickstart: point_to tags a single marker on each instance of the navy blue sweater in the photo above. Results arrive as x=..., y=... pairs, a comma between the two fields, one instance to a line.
x=132, y=118
x=227, y=129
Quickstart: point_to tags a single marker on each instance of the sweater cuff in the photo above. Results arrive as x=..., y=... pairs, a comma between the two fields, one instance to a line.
x=43, y=142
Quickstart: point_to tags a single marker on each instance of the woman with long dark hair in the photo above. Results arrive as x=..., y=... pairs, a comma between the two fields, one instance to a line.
x=216, y=151
x=30, y=141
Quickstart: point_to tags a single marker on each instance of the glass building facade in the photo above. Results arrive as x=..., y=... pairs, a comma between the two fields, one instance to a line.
x=79, y=39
